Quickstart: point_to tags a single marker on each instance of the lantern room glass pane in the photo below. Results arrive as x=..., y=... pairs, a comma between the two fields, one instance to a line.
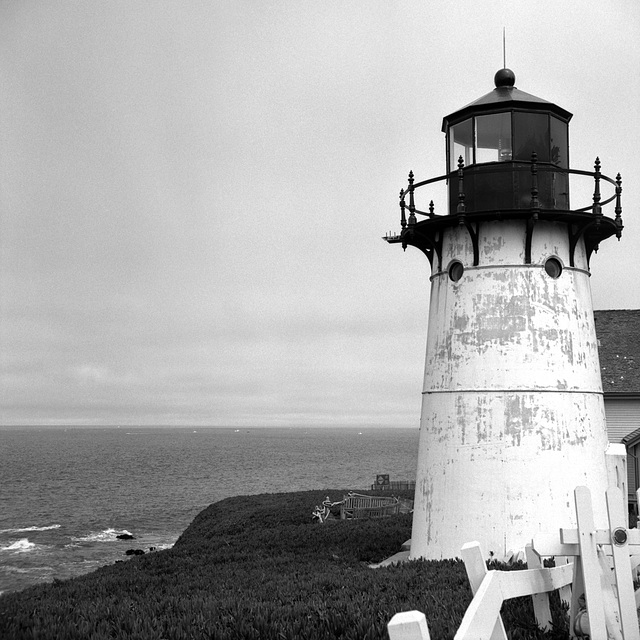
x=493, y=137
x=559, y=143
x=461, y=144
x=531, y=133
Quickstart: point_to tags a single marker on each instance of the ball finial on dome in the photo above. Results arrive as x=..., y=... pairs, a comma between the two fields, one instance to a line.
x=505, y=78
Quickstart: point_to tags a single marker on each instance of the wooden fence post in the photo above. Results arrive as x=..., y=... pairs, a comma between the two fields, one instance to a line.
x=548, y=544
x=616, y=463
x=476, y=568
x=408, y=625
x=540, y=600
x=587, y=571
x=626, y=602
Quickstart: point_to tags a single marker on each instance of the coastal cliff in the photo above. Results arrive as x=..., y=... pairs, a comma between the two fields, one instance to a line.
x=252, y=567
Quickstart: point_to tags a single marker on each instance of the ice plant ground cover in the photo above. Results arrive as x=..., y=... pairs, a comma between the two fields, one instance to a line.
x=259, y=567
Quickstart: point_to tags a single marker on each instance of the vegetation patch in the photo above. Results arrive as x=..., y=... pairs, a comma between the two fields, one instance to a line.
x=258, y=567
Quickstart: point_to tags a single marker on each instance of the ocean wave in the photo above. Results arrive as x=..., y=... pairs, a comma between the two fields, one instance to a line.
x=107, y=535
x=20, y=546
x=12, y=569
x=21, y=530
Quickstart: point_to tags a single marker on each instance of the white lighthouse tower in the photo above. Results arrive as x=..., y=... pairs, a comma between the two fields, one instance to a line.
x=512, y=411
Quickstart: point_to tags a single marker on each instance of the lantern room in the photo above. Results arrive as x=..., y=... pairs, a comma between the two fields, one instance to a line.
x=495, y=139
x=507, y=158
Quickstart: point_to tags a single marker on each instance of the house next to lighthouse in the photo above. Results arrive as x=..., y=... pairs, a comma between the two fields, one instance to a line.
x=513, y=417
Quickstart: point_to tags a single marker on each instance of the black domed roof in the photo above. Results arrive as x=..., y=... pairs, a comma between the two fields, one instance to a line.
x=504, y=78
x=503, y=98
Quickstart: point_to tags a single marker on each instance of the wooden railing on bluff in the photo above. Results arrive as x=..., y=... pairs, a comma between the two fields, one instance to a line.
x=356, y=505
x=395, y=485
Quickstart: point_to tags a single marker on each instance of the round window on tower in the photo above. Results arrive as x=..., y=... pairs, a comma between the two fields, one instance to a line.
x=553, y=267
x=456, y=269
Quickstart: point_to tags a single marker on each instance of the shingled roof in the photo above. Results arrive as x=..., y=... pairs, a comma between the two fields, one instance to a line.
x=618, y=332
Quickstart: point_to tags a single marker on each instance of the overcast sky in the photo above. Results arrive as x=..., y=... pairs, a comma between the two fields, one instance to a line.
x=193, y=194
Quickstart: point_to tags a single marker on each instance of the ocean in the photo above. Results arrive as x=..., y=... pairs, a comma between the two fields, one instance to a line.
x=67, y=493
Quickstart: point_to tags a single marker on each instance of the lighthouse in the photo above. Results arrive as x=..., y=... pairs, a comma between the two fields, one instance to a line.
x=512, y=413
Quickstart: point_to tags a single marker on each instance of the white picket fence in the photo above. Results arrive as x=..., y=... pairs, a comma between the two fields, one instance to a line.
x=594, y=573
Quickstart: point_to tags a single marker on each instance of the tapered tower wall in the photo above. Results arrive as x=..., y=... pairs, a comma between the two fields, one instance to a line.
x=512, y=413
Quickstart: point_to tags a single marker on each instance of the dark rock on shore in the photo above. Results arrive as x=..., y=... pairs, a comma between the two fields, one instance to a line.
x=134, y=552
x=125, y=536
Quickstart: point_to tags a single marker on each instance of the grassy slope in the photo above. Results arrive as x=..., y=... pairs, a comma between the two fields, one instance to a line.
x=254, y=567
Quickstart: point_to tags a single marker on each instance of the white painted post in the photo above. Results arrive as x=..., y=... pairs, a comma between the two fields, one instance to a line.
x=611, y=612
x=565, y=592
x=616, y=461
x=546, y=544
x=588, y=567
x=476, y=568
x=408, y=625
x=540, y=600
x=622, y=566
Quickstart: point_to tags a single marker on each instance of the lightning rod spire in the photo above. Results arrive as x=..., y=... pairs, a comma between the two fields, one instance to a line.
x=504, y=48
